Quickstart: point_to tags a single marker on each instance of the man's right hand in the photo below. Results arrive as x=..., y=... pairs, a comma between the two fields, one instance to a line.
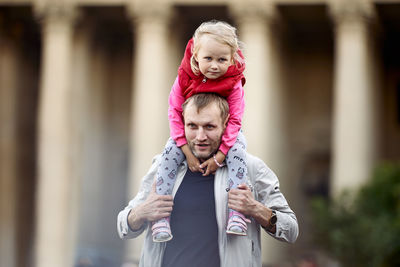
x=153, y=208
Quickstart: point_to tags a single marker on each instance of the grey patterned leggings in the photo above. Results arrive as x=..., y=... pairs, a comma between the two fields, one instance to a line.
x=173, y=156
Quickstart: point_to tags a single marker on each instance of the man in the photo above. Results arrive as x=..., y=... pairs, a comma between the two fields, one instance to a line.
x=199, y=208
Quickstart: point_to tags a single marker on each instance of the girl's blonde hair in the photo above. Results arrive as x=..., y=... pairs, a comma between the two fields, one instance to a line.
x=221, y=32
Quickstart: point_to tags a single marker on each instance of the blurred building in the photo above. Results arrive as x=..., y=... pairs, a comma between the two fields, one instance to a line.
x=83, y=109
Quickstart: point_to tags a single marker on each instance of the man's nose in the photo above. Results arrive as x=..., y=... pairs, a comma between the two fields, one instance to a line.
x=201, y=134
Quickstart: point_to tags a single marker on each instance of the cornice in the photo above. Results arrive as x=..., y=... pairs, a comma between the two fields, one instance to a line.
x=55, y=10
x=149, y=11
x=254, y=10
x=351, y=10
x=182, y=2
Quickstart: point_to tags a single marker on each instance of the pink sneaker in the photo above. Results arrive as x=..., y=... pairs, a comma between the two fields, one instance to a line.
x=237, y=223
x=161, y=230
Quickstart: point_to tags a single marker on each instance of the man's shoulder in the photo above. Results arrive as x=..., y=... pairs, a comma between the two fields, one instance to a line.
x=257, y=167
x=155, y=158
x=254, y=160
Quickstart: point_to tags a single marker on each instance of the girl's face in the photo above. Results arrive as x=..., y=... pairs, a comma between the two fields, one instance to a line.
x=213, y=57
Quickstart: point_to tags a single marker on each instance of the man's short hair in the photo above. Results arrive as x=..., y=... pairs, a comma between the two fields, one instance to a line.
x=202, y=100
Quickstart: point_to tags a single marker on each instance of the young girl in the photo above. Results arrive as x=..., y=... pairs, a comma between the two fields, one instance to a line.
x=214, y=63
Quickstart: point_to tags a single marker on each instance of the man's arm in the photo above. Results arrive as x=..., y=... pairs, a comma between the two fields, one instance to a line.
x=242, y=200
x=145, y=207
x=152, y=209
x=266, y=198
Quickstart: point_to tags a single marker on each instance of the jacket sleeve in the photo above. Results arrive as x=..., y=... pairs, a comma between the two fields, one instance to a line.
x=268, y=192
x=124, y=231
x=236, y=110
x=176, y=126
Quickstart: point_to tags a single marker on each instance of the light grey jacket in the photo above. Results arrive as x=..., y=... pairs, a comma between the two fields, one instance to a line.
x=240, y=251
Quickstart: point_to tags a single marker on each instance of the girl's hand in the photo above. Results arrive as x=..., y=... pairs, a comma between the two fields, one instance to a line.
x=210, y=164
x=192, y=161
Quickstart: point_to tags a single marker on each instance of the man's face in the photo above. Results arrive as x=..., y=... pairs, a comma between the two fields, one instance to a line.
x=203, y=130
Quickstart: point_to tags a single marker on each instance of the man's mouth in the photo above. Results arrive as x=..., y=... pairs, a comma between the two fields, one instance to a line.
x=202, y=145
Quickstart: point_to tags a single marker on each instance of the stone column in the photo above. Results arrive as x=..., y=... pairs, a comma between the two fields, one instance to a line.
x=354, y=107
x=264, y=120
x=8, y=152
x=150, y=89
x=55, y=230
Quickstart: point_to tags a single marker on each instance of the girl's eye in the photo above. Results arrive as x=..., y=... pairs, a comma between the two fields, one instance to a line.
x=222, y=59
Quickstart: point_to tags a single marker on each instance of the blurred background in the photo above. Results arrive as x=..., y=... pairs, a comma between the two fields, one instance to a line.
x=84, y=86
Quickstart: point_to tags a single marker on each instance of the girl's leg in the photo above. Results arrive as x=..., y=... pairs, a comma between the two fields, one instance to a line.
x=236, y=162
x=171, y=158
x=237, y=174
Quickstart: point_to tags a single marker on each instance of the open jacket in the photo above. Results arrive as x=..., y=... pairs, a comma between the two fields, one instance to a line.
x=235, y=251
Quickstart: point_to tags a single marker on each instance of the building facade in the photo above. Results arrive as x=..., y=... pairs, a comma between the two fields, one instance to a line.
x=83, y=109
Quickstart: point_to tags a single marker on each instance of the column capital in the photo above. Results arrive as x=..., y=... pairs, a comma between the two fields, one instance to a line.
x=59, y=10
x=351, y=10
x=150, y=11
x=252, y=10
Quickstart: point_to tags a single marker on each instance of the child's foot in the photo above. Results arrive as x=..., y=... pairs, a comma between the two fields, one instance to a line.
x=161, y=230
x=237, y=223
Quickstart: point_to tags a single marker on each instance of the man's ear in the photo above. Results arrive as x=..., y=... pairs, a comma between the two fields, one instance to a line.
x=226, y=121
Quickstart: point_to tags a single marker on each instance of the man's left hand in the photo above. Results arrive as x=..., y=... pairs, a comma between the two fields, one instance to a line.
x=242, y=200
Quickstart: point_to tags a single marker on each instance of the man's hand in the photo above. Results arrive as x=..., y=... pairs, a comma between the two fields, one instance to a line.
x=242, y=200
x=210, y=165
x=192, y=161
x=153, y=208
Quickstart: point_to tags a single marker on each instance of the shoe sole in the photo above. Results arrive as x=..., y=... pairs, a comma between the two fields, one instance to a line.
x=161, y=241
x=235, y=233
